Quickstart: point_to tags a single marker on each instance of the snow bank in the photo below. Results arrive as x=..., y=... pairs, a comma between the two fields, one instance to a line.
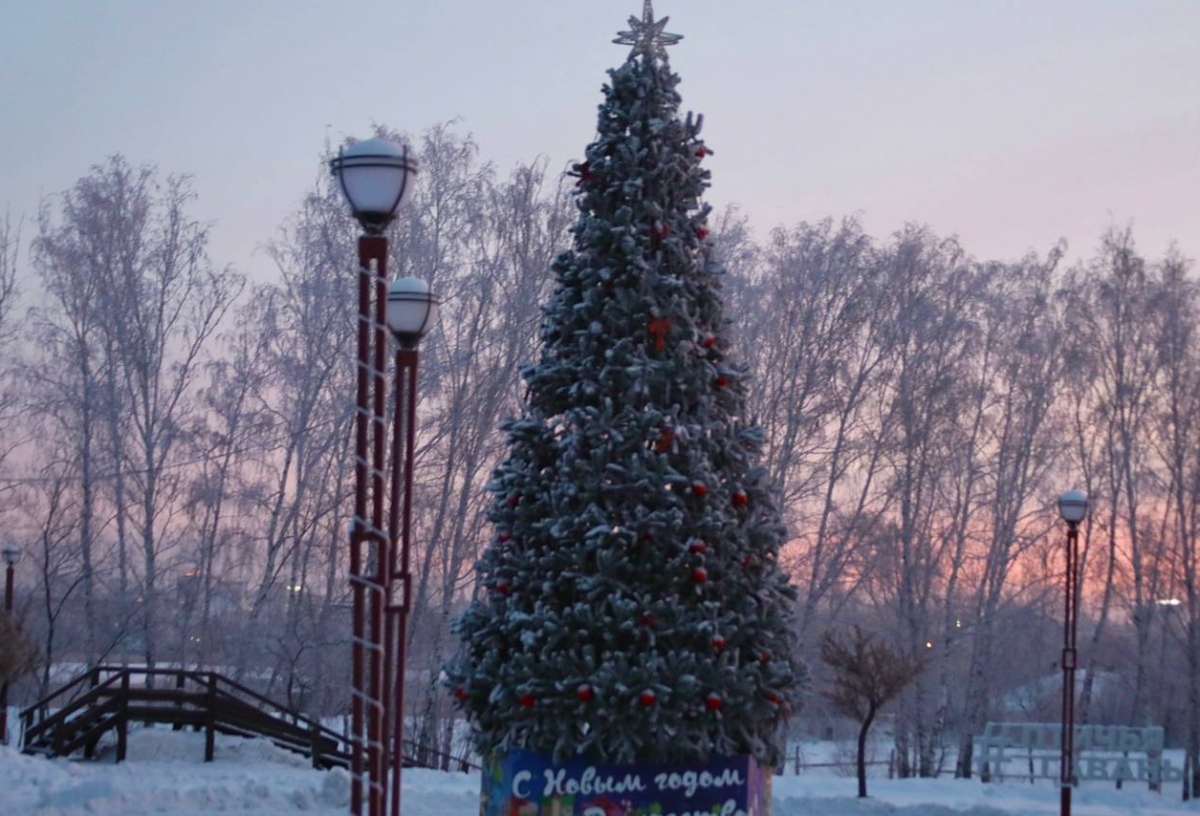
x=165, y=773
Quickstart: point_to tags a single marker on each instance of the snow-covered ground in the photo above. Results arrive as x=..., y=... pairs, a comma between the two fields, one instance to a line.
x=164, y=774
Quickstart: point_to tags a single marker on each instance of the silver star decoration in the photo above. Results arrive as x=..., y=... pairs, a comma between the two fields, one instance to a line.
x=646, y=35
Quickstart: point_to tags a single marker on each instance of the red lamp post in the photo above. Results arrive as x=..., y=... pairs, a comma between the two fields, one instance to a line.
x=1073, y=507
x=11, y=553
x=376, y=176
x=412, y=311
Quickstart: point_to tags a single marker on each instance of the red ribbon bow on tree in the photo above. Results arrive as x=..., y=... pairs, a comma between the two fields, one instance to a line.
x=659, y=327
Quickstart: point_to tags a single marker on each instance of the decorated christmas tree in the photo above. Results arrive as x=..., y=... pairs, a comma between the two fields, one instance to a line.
x=631, y=607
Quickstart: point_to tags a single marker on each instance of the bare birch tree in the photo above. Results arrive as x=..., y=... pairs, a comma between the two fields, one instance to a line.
x=67, y=372
x=1115, y=307
x=933, y=295
x=306, y=325
x=1019, y=450
x=1178, y=442
x=811, y=322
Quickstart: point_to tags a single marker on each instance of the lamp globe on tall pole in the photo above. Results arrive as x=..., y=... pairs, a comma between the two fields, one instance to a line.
x=376, y=176
x=412, y=311
x=11, y=554
x=1073, y=507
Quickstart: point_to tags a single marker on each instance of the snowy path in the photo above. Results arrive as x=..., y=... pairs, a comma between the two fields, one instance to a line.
x=164, y=775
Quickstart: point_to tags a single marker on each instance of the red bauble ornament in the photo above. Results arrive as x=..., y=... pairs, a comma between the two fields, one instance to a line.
x=647, y=698
x=663, y=445
x=713, y=702
x=514, y=499
x=721, y=382
x=699, y=488
x=527, y=700
x=502, y=587
x=702, y=233
x=772, y=697
x=697, y=547
x=746, y=560
x=503, y=538
x=585, y=692
x=764, y=658
x=460, y=694
x=740, y=499
x=718, y=642
x=699, y=575
x=700, y=152
x=710, y=341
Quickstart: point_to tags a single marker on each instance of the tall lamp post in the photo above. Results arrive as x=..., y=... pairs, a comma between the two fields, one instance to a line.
x=412, y=311
x=1073, y=507
x=11, y=553
x=377, y=177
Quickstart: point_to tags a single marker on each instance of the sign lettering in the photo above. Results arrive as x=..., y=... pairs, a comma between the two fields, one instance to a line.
x=527, y=784
x=1106, y=746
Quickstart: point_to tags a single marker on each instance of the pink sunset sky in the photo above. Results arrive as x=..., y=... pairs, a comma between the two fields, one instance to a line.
x=1010, y=123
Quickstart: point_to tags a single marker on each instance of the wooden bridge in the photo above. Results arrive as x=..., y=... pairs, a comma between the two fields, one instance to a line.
x=108, y=698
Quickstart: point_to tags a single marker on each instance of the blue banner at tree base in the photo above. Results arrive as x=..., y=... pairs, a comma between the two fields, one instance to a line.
x=522, y=783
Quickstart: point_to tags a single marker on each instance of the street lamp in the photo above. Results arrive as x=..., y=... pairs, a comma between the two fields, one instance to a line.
x=376, y=176
x=11, y=553
x=1073, y=507
x=412, y=311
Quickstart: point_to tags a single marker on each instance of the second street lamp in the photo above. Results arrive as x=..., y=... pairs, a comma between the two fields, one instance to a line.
x=1073, y=507
x=376, y=176
x=11, y=553
x=412, y=311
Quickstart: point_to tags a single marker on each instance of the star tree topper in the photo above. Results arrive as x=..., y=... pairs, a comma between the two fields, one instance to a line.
x=646, y=35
